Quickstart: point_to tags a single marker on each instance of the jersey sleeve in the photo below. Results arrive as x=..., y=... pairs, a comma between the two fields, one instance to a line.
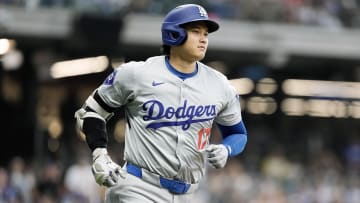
x=231, y=113
x=117, y=88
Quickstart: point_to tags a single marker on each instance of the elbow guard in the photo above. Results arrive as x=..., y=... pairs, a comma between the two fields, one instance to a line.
x=95, y=104
x=93, y=109
x=93, y=126
x=91, y=120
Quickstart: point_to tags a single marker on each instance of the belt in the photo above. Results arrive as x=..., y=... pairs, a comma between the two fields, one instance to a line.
x=174, y=186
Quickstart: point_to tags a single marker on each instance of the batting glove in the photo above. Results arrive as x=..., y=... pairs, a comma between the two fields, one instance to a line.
x=105, y=171
x=217, y=155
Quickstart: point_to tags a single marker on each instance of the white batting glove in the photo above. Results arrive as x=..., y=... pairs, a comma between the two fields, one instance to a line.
x=217, y=155
x=105, y=171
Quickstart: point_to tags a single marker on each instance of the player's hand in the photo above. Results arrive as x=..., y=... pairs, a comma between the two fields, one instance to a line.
x=217, y=155
x=105, y=171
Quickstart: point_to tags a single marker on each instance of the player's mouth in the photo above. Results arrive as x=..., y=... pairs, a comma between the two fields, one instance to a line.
x=202, y=48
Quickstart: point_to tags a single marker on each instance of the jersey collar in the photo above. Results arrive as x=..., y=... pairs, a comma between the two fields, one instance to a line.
x=181, y=75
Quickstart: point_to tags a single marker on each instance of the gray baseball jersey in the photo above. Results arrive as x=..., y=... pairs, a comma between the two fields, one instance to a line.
x=170, y=119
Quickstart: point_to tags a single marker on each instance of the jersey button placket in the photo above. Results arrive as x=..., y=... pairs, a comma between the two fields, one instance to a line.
x=179, y=130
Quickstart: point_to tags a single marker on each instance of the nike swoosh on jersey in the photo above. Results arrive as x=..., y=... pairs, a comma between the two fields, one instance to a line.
x=154, y=83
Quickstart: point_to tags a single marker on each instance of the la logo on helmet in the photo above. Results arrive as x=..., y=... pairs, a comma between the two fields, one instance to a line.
x=202, y=12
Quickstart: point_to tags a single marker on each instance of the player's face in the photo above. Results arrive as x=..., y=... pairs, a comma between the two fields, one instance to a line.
x=196, y=44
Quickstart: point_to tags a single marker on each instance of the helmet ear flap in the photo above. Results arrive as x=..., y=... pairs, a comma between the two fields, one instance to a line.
x=174, y=37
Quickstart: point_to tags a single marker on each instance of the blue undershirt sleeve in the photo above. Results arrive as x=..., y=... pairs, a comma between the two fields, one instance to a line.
x=234, y=138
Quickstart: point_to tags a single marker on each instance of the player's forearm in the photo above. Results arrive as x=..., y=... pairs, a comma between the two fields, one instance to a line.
x=95, y=132
x=234, y=137
x=236, y=143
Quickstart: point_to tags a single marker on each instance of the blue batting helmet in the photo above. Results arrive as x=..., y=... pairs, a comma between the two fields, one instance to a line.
x=172, y=32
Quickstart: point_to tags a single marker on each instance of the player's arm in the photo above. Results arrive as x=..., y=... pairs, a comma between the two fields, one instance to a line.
x=99, y=107
x=234, y=137
x=91, y=120
x=114, y=92
x=234, y=141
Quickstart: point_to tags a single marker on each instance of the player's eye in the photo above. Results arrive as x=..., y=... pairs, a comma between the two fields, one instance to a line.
x=195, y=30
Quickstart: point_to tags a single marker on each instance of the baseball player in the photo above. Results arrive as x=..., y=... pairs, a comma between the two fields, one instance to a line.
x=171, y=103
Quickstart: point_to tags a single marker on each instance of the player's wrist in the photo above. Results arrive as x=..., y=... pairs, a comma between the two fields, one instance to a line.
x=228, y=148
x=100, y=151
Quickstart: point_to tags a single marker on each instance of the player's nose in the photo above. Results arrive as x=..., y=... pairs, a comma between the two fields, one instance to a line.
x=204, y=39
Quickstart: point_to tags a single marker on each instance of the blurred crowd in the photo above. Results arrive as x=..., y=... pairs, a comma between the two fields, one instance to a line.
x=326, y=13
x=276, y=179
x=24, y=182
x=281, y=180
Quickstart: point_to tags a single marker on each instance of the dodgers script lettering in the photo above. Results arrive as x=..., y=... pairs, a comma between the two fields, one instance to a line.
x=182, y=116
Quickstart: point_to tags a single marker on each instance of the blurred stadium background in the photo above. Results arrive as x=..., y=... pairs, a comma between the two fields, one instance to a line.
x=295, y=63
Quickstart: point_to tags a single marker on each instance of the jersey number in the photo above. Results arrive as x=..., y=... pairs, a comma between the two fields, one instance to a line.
x=203, y=137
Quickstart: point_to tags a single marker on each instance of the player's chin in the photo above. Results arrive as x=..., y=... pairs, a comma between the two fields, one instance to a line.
x=199, y=56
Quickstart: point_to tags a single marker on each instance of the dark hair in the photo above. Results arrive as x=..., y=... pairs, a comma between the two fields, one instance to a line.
x=165, y=49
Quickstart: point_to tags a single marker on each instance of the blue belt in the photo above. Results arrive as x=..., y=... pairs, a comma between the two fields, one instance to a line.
x=174, y=186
